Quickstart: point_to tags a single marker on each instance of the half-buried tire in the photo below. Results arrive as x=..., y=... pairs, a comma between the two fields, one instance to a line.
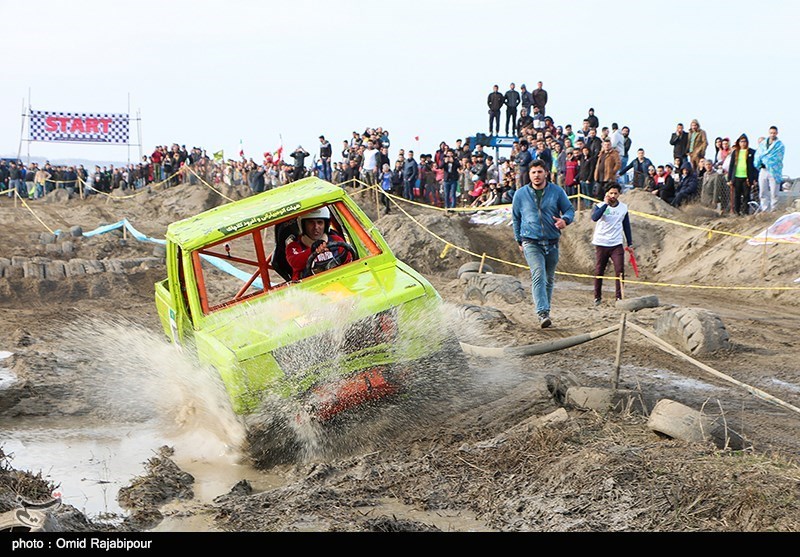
x=486, y=288
x=473, y=266
x=693, y=330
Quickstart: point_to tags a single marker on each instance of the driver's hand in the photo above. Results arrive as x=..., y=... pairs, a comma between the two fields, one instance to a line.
x=319, y=246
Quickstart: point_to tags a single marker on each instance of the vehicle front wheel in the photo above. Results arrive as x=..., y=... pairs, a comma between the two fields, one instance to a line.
x=277, y=434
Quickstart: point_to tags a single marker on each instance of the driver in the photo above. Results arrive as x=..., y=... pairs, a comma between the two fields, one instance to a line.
x=315, y=233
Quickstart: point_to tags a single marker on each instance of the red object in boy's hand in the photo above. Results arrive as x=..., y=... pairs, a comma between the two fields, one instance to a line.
x=633, y=261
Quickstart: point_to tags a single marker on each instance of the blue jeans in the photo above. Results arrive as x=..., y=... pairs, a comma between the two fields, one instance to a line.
x=587, y=189
x=623, y=178
x=325, y=171
x=542, y=258
x=19, y=185
x=494, y=118
x=408, y=189
x=450, y=187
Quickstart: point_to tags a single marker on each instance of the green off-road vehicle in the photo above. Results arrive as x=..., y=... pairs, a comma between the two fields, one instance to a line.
x=361, y=331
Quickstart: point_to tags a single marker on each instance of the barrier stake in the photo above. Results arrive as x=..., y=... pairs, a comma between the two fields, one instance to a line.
x=483, y=258
x=618, y=358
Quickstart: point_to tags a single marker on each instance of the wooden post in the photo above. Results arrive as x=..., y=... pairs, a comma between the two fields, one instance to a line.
x=483, y=259
x=731, y=209
x=377, y=204
x=580, y=201
x=16, y=195
x=618, y=358
x=80, y=186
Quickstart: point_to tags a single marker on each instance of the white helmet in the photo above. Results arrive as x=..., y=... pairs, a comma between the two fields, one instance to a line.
x=318, y=213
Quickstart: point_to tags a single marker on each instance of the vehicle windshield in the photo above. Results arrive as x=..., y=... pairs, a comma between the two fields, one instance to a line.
x=248, y=265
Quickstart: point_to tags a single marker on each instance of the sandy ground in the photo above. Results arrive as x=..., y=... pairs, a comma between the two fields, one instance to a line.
x=510, y=453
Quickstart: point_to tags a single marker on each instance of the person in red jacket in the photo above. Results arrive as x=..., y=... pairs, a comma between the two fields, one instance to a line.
x=157, y=157
x=315, y=233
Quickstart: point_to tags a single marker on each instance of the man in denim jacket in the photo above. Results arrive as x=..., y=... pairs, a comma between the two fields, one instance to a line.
x=540, y=211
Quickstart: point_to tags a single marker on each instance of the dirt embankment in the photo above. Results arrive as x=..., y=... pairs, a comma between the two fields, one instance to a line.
x=491, y=461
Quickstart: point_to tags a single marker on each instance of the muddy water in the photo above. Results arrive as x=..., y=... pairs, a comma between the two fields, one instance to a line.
x=90, y=457
x=90, y=463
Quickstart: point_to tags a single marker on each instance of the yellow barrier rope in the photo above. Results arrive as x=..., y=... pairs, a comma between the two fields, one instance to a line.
x=579, y=196
x=710, y=231
x=202, y=181
x=425, y=205
x=25, y=204
x=448, y=245
x=142, y=190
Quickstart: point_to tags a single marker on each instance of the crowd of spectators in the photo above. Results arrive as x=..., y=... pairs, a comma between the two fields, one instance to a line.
x=584, y=159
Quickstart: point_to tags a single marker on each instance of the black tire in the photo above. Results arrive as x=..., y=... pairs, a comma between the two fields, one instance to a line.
x=677, y=421
x=473, y=266
x=437, y=380
x=271, y=440
x=482, y=314
x=54, y=270
x=693, y=330
x=34, y=270
x=507, y=288
x=474, y=293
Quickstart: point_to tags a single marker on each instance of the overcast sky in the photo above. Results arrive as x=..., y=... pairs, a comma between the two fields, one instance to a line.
x=210, y=74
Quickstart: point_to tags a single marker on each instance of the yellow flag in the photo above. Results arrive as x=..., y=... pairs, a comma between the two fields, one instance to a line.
x=219, y=156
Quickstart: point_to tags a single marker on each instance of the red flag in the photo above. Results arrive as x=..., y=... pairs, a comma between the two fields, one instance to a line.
x=633, y=261
x=241, y=149
x=416, y=138
x=278, y=154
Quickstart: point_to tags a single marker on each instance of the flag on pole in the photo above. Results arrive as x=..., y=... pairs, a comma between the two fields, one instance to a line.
x=241, y=149
x=278, y=154
x=219, y=156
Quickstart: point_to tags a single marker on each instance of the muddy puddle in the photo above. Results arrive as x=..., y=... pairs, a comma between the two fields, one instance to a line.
x=89, y=458
x=89, y=463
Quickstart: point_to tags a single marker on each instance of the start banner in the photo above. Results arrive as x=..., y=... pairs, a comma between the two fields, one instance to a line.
x=75, y=126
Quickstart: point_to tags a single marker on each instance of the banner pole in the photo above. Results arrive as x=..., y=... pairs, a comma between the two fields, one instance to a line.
x=128, y=139
x=21, y=131
x=29, y=129
x=139, y=131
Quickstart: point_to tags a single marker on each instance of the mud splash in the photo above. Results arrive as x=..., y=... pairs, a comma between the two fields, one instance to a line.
x=131, y=393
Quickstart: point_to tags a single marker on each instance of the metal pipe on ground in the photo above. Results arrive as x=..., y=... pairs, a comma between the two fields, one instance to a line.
x=535, y=349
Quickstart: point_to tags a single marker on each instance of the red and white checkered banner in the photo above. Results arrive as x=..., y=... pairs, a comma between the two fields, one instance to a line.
x=76, y=126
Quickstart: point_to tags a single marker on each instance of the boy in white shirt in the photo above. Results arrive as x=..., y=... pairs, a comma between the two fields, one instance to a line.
x=611, y=216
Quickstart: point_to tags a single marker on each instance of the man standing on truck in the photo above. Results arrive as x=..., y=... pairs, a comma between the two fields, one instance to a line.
x=315, y=233
x=299, y=157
